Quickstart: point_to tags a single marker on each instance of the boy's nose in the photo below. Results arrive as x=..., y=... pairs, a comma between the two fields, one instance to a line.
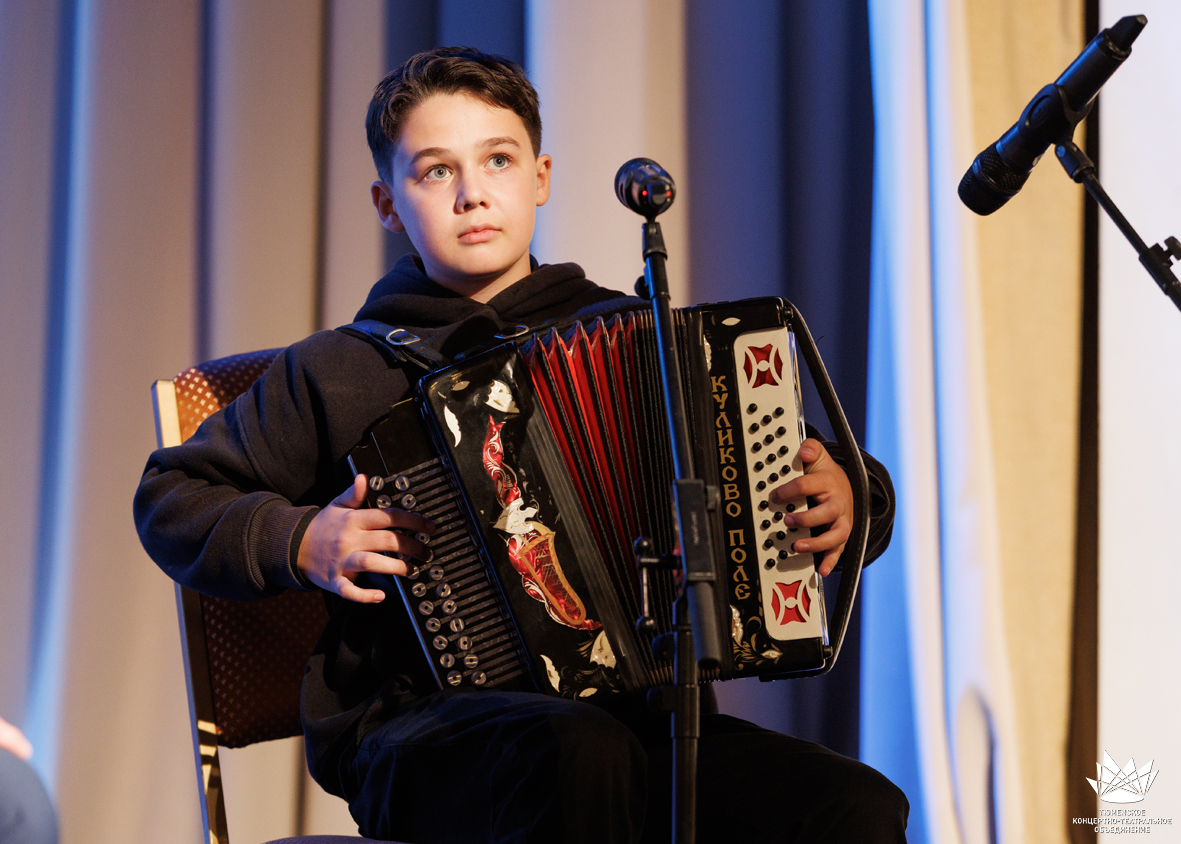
x=470, y=195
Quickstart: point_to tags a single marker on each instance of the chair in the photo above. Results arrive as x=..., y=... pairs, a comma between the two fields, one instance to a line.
x=244, y=660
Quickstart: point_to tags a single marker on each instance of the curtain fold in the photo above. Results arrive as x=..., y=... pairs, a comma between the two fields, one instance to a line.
x=107, y=690
x=168, y=189
x=974, y=392
x=903, y=589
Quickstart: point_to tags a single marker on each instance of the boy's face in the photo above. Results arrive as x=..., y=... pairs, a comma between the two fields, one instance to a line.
x=466, y=187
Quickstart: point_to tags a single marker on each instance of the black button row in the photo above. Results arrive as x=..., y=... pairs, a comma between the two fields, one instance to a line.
x=443, y=591
x=770, y=563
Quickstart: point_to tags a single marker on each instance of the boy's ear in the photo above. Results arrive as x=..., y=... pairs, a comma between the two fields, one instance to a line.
x=383, y=201
x=544, y=163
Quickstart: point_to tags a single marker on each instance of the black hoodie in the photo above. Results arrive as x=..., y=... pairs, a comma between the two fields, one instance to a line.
x=224, y=513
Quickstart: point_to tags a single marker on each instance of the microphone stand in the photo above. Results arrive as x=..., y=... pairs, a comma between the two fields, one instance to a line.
x=695, y=632
x=1156, y=259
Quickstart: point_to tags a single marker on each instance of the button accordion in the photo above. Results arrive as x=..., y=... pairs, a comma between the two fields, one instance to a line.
x=540, y=461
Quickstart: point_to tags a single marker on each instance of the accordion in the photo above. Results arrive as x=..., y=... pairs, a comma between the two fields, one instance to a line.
x=542, y=460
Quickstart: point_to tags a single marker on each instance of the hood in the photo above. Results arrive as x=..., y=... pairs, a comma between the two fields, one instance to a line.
x=450, y=322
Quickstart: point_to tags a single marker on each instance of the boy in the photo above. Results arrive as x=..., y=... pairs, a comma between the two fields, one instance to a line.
x=249, y=507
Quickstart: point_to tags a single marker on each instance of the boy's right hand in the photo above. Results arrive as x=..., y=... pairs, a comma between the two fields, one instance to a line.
x=344, y=540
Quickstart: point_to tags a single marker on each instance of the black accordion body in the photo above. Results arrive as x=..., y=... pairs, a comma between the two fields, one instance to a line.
x=541, y=461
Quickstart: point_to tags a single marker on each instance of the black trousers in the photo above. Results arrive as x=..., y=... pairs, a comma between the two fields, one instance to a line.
x=517, y=767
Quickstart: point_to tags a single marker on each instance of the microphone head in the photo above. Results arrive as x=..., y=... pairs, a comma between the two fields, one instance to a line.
x=990, y=182
x=643, y=186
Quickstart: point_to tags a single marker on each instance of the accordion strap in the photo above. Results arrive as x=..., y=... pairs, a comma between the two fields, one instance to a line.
x=398, y=346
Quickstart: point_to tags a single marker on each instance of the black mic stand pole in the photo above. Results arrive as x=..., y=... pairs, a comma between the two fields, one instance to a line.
x=695, y=628
x=1156, y=259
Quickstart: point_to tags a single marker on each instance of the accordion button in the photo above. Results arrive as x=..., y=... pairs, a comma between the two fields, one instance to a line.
x=783, y=450
x=464, y=643
x=778, y=516
x=433, y=625
x=447, y=660
x=756, y=447
x=765, y=525
x=376, y=483
x=781, y=535
x=401, y=483
x=439, y=643
x=778, y=412
x=763, y=505
x=449, y=606
x=454, y=678
x=424, y=538
x=783, y=555
x=767, y=440
x=780, y=431
x=759, y=466
x=791, y=508
x=470, y=661
x=456, y=625
x=418, y=590
x=384, y=502
x=770, y=459
x=435, y=572
x=408, y=501
x=413, y=572
x=767, y=420
x=751, y=408
x=754, y=427
x=479, y=678
x=773, y=477
x=769, y=564
x=443, y=590
x=767, y=543
x=760, y=486
x=426, y=607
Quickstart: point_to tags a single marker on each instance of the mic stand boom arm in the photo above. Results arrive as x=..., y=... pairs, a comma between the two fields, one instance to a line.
x=1156, y=259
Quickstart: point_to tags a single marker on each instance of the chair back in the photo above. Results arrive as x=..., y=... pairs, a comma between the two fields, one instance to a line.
x=244, y=660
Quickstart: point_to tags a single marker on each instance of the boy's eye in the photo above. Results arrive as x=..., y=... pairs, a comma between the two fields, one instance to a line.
x=437, y=172
x=499, y=161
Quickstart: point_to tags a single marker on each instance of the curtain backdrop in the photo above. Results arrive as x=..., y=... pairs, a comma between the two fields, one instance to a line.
x=185, y=180
x=973, y=403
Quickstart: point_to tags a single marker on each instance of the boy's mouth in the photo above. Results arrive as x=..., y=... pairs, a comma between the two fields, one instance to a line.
x=478, y=234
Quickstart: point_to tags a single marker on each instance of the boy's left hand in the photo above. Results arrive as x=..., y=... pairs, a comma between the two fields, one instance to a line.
x=825, y=482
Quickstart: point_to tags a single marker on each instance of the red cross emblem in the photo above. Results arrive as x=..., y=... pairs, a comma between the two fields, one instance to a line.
x=790, y=602
x=763, y=365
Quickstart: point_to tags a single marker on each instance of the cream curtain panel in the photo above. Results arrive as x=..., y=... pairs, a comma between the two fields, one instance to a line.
x=974, y=403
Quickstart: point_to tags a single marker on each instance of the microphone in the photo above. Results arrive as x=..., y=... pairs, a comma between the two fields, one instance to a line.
x=1000, y=171
x=643, y=186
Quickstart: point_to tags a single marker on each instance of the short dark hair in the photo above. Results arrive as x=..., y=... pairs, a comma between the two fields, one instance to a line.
x=496, y=80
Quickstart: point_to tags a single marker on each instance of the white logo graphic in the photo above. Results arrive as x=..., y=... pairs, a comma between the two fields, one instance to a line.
x=1126, y=785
